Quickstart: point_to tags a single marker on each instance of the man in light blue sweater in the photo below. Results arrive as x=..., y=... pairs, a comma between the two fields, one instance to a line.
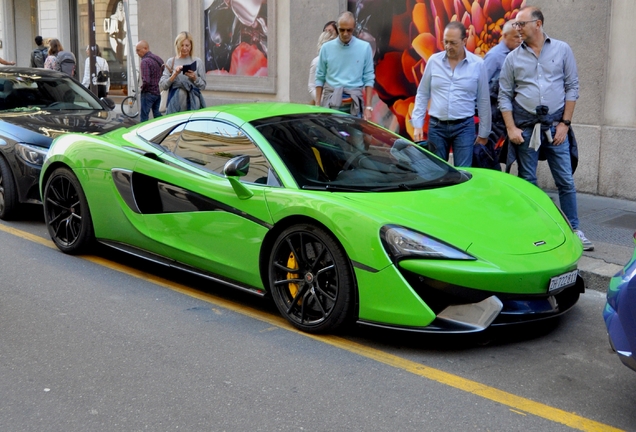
x=344, y=74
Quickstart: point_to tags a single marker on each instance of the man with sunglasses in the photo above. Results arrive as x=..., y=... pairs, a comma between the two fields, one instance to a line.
x=538, y=89
x=344, y=74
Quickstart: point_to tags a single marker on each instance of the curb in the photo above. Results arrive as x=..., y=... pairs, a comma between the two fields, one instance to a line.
x=597, y=273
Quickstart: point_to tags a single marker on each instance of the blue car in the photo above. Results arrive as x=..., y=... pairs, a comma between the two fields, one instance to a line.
x=620, y=313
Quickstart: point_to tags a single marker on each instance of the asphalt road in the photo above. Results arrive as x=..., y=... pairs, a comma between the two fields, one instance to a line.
x=109, y=343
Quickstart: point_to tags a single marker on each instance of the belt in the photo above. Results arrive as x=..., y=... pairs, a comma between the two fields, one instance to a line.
x=450, y=122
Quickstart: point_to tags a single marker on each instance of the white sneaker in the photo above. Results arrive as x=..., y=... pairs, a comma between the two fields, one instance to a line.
x=587, y=245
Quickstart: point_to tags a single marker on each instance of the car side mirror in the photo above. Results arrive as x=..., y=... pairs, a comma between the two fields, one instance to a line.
x=234, y=169
x=108, y=102
x=237, y=167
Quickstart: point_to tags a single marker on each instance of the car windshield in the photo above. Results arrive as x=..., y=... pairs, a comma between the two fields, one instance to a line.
x=343, y=153
x=35, y=92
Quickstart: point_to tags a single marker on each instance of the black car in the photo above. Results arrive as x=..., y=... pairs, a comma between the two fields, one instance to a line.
x=37, y=105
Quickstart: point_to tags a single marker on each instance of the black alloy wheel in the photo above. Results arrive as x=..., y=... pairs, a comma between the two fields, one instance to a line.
x=310, y=279
x=66, y=212
x=8, y=192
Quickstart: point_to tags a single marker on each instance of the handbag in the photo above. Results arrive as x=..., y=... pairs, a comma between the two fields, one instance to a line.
x=163, y=106
x=102, y=76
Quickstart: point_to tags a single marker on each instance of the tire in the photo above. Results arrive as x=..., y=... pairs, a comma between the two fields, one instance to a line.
x=8, y=192
x=310, y=279
x=129, y=107
x=66, y=213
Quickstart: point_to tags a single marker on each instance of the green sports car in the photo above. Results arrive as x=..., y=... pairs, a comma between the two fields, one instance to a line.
x=335, y=218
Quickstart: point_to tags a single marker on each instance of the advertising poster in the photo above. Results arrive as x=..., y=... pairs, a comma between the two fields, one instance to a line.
x=235, y=34
x=405, y=33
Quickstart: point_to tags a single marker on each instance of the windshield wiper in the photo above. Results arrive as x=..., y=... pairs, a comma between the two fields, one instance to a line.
x=398, y=187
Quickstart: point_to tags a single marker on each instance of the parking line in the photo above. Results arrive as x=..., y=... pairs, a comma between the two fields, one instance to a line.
x=510, y=400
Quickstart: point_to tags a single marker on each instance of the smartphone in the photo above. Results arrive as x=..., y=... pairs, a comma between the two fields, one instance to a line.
x=189, y=67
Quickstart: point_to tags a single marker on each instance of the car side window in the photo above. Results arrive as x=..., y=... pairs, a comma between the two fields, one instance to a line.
x=211, y=143
x=170, y=138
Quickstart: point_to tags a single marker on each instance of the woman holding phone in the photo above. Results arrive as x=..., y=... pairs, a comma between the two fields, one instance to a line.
x=183, y=77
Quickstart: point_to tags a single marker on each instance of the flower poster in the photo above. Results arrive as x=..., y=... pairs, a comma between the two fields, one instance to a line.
x=235, y=33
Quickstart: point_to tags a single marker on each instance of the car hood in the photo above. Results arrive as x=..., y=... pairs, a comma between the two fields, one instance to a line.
x=488, y=213
x=41, y=127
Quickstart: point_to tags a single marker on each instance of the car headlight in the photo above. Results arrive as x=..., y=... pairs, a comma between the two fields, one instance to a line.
x=402, y=243
x=32, y=154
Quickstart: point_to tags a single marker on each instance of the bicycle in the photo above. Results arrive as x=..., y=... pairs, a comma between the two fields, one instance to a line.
x=129, y=106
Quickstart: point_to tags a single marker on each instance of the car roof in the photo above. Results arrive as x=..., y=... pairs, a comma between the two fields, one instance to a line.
x=251, y=111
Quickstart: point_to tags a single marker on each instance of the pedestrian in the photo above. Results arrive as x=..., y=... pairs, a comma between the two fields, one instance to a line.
x=151, y=68
x=455, y=82
x=332, y=28
x=344, y=74
x=60, y=60
x=102, y=73
x=538, y=89
x=488, y=156
x=39, y=54
x=51, y=62
x=183, y=77
x=325, y=36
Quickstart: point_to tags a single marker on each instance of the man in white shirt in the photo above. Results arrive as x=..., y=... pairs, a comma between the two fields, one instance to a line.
x=455, y=82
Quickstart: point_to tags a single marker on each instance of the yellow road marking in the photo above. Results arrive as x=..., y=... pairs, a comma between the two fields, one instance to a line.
x=516, y=403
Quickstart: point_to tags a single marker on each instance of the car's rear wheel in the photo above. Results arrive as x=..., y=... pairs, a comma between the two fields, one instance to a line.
x=310, y=279
x=8, y=192
x=66, y=212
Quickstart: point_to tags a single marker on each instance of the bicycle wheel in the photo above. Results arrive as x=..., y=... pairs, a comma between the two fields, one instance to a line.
x=129, y=106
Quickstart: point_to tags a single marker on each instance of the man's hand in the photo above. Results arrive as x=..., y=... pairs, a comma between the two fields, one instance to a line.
x=367, y=114
x=560, y=134
x=481, y=141
x=418, y=134
x=514, y=135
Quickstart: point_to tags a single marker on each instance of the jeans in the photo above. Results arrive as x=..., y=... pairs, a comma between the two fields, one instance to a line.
x=560, y=166
x=149, y=101
x=460, y=136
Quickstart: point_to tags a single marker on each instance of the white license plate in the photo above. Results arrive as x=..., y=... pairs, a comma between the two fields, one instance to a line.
x=566, y=279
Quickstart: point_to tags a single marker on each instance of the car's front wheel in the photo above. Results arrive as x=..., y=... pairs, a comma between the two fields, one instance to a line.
x=8, y=191
x=66, y=212
x=310, y=279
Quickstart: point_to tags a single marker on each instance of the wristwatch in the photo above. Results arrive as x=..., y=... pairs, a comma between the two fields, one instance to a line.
x=370, y=108
x=566, y=122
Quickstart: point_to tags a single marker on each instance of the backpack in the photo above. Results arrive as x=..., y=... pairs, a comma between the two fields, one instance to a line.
x=39, y=56
x=66, y=60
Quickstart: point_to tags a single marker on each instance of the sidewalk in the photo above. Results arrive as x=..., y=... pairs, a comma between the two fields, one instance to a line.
x=610, y=224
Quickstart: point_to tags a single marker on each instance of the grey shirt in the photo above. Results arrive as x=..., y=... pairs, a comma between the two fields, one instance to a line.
x=550, y=79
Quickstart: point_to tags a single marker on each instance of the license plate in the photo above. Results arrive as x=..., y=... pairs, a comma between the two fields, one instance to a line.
x=564, y=280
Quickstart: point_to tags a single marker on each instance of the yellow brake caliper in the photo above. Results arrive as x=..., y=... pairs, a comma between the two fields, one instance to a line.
x=292, y=264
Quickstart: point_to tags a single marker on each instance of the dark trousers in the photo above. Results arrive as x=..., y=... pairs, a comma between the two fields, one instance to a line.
x=149, y=102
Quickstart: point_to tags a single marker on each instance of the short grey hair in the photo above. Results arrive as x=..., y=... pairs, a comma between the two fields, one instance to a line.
x=507, y=27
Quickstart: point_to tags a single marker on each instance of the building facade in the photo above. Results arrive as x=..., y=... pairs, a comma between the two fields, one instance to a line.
x=261, y=50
